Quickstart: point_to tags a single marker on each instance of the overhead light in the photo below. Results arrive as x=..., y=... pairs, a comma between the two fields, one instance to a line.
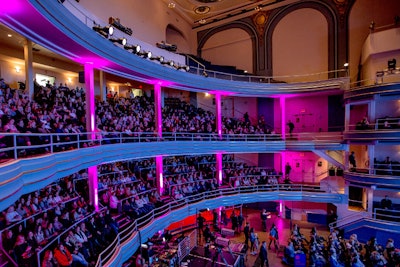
x=202, y=21
x=121, y=41
x=17, y=69
x=146, y=54
x=171, y=5
x=346, y=65
x=135, y=48
x=170, y=63
x=105, y=31
x=9, y=35
x=159, y=58
x=258, y=8
x=185, y=68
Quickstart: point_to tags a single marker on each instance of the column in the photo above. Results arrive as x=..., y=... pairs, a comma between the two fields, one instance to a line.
x=28, y=56
x=219, y=114
x=159, y=175
x=347, y=117
x=282, y=102
x=90, y=128
x=370, y=200
x=93, y=187
x=371, y=157
x=158, y=110
x=218, y=166
x=90, y=105
x=103, y=93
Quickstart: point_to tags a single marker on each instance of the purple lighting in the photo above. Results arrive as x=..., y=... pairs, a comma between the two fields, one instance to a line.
x=157, y=106
x=219, y=114
x=90, y=103
x=93, y=185
x=8, y=7
x=218, y=157
x=159, y=174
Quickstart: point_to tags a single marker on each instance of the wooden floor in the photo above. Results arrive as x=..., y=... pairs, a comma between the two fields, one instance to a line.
x=283, y=225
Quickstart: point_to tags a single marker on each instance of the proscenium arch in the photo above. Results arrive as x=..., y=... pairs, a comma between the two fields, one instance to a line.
x=249, y=29
x=331, y=19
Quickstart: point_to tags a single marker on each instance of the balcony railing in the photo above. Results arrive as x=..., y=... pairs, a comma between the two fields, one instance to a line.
x=15, y=146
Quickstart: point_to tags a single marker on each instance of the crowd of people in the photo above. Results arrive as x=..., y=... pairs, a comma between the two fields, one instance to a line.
x=58, y=109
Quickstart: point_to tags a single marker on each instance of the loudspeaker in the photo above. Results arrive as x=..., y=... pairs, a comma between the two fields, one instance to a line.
x=81, y=76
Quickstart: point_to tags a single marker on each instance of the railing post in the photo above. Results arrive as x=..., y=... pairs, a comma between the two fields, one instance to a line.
x=79, y=141
x=51, y=144
x=15, y=146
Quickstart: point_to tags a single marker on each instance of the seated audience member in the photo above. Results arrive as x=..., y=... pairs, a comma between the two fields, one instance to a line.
x=63, y=256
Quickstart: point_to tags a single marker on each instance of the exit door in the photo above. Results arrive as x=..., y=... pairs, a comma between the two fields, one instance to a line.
x=303, y=171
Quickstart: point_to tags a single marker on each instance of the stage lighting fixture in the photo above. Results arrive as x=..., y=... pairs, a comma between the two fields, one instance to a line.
x=135, y=48
x=105, y=31
x=170, y=63
x=146, y=54
x=185, y=68
x=205, y=74
x=159, y=58
x=392, y=64
x=121, y=41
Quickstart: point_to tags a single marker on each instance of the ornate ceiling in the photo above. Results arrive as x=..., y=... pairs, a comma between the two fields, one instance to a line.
x=200, y=12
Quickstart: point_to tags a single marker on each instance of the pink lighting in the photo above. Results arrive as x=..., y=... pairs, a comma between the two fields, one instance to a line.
x=159, y=174
x=219, y=114
x=93, y=187
x=218, y=157
x=280, y=206
x=283, y=116
x=90, y=105
x=10, y=7
x=157, y=106
x=95, y=62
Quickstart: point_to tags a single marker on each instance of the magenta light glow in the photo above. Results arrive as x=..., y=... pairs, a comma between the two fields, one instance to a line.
x=157, y=106
x=218, y=157
x=282, y=101
x=93, y=186
x=94, y=61
x=90, y=103
x=280, y=206
x=8, y=7
x=219, y=114
x=159, y=174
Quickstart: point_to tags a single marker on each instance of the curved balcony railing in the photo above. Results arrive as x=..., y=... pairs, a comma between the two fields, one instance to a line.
x=283, y=191
x=15, y=146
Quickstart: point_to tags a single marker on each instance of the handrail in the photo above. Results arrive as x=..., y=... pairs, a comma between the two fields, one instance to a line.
x=176, y=204
x=348, y=219
x=78, y=140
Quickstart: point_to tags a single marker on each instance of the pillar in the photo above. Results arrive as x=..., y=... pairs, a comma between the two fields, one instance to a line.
x=28, y=56
x=347, y=117
x=218, y=166
x=282, y=103
x=158, y=109
x=159, y=174
x=219, y=114
x=370, y=200
x=103, y=92
x=90, y=128
x=90, y=104
x=93, y=187
x=371, y=157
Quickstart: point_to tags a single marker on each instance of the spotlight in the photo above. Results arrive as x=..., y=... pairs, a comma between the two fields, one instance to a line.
x=346, y=65
x=105, y=31
x=392, y=64
x=159, y=58
x=170, y=63
x=185, y=68
x=205, y=74
x=121, y=41
x=146, y=54
x=135, y=48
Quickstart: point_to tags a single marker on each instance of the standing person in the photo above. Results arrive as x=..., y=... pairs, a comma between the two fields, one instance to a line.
x=224, y=218
x=273, y=237
x=246, y=232
x=386, y=203
x=252, y=237
x=240, y=222
x=264, y=254
x=352, y=160
x=291, y=127
x=200, y=223
x=234, y=221
x=264, y=220
x=215, y=218
x=288, y=168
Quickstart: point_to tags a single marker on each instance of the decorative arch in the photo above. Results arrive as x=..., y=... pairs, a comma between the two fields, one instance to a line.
x=248, y=28
x=327, y=11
